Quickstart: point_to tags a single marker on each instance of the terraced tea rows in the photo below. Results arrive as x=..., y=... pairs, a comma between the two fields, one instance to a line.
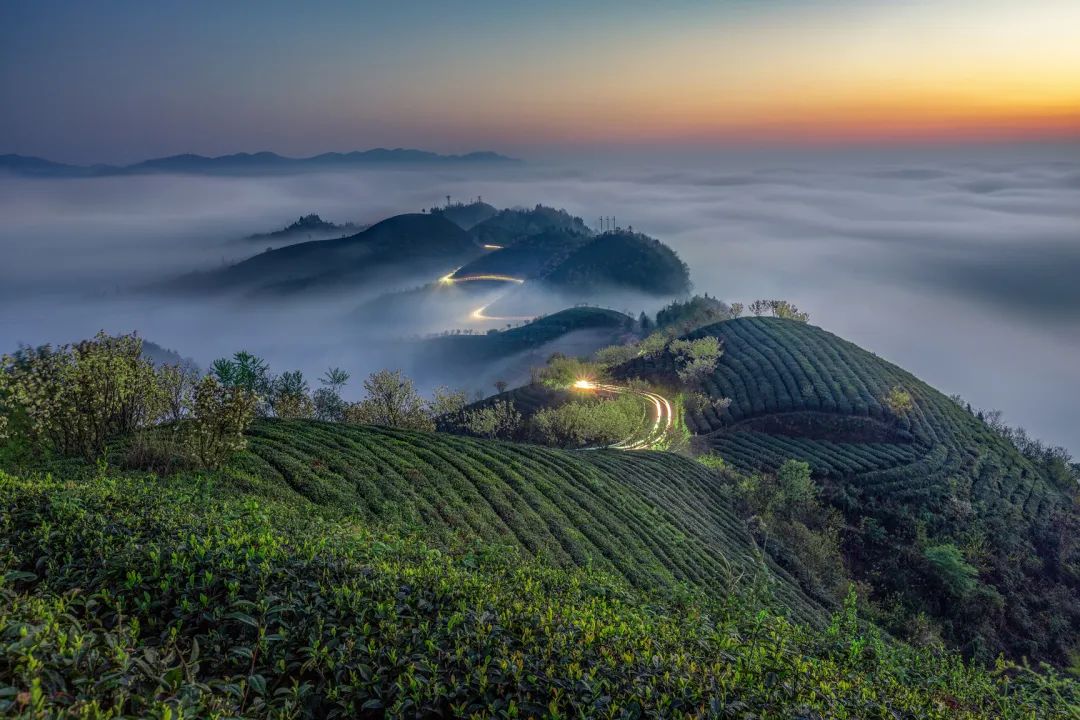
x=901, y=473
x=774, y=368
x=653, y=518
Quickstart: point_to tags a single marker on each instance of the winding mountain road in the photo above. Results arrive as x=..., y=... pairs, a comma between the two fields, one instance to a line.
x=657, y=407
x=480, y=314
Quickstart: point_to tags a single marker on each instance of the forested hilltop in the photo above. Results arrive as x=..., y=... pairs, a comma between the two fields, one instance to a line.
x=727, y=513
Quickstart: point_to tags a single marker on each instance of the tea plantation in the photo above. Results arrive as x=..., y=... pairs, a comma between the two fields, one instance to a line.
x=653, y=519
x=127, y=595
x=907, y=479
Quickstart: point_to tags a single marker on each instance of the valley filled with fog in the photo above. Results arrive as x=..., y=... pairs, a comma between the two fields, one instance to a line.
x=964, y=273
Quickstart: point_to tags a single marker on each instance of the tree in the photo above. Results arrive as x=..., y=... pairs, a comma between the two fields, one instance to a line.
x=949, y=567
x=588, y=422
x=780, y=309
x=759, y=307
x=680, y=317
x=289, y=396
x=784, y=309
x=219, y=417
x=899, y=401
x=653, y=346
x=327, y=402
x=335, y=378
x=562, y=371
x=736, y=309
x=392, y=400
x=796, y=490
x=644, y=322
x=247, y=372
x=445, y=401
x=615, y=355
x=76, y=398
x=499, y=419
x=698, y=402
x=500, y=386
x=696, y=359
x=178, y=385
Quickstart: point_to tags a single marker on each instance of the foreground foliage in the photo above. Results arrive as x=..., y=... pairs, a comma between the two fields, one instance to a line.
x=76, y=399
x=136, y=597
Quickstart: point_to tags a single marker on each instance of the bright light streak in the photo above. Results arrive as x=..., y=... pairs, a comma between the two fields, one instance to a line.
x=585, y=385
x=448, y=278
x=489, y=246
x=491, y=277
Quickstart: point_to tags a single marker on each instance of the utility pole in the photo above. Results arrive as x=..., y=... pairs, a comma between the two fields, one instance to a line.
x=447, y=201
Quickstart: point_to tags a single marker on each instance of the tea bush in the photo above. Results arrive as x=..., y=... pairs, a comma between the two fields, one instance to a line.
x=910, y=469
x=123, y=597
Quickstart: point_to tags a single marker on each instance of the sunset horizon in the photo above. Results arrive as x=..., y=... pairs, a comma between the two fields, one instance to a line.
x=476, y=77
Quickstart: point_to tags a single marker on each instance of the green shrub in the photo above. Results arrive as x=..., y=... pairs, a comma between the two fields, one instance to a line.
x=955, y=575
x=76, y=398
x=581, y=423
x=391, y=400
x=122, y=598
x=695, y=359
x=499, y=419
x=219, y=416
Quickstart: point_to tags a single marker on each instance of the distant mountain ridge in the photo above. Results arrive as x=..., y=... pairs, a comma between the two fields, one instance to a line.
x=244, y=163
x=309, y=226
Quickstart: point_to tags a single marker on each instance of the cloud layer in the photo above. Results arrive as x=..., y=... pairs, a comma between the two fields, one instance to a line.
x=962, y=272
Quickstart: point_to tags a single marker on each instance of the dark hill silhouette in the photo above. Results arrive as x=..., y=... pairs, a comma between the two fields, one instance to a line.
x=311, y=227
x=249, y=163
x=529, y=257
x=467, y=216
x=510, y=226
x=402, y=246
x=621, y=259
x=533, y=335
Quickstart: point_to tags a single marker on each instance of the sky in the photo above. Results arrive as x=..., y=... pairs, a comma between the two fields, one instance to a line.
x=120, y=81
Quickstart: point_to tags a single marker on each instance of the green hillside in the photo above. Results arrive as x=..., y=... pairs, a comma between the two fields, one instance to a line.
x=530, y=336
x=910, y=481
x=128, y=596
x=651, y=518
x=529, y=398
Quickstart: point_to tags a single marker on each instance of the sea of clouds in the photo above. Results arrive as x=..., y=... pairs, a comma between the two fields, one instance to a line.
x=963, y=270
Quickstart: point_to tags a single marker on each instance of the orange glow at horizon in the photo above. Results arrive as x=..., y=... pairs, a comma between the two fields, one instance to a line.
x=953, y=70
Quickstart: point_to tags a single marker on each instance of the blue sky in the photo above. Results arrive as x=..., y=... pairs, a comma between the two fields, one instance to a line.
x=120, y=81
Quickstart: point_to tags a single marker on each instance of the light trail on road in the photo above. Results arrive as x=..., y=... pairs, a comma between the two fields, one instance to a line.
x=480, y=314
x=491, y=277
x=663, y=414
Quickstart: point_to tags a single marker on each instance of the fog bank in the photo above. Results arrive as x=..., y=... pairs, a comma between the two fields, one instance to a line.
x=962, y=271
